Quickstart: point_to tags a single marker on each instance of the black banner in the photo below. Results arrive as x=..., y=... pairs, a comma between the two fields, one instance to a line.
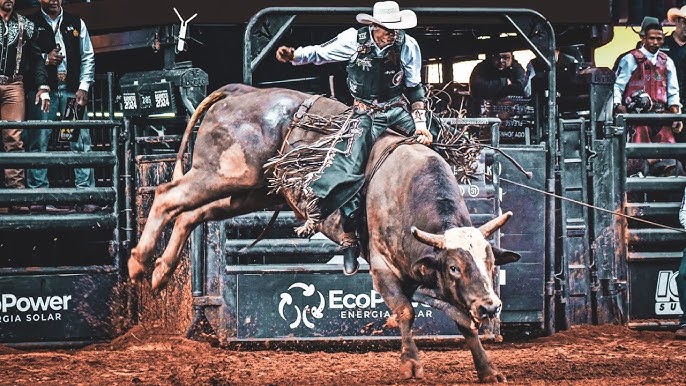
x=322, y=305
x=56, y=308
x=652, y=291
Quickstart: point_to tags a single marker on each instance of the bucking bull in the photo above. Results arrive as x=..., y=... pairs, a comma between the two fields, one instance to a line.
x=447, y=264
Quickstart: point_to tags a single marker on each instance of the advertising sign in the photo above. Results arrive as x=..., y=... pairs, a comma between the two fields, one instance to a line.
x=55, y=308
x=653, y=292
x=322, y=305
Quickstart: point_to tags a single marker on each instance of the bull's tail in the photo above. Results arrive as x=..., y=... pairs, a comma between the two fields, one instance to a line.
x=202, y=108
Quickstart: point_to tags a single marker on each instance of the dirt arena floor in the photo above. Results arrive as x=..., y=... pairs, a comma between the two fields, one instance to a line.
x=583, y=355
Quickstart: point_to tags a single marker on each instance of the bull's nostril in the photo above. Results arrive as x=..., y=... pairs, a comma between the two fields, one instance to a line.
x=489, y=310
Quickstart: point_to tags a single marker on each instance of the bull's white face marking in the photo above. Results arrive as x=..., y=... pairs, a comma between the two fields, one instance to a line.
x=471, y=240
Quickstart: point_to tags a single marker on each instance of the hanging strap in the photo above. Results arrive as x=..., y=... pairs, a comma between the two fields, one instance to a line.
x=302, y=110
x=20, y=43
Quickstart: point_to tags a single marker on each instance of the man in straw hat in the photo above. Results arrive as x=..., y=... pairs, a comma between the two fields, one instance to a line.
x=384, y=68
x=646, y=82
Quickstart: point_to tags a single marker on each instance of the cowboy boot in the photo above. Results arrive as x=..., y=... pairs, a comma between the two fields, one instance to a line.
x=350, y=241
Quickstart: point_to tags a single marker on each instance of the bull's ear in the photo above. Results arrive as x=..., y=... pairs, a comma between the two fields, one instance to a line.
x=504, y=256
x=426, y=265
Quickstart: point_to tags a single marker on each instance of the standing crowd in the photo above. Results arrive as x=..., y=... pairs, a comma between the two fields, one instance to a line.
x=47, y=66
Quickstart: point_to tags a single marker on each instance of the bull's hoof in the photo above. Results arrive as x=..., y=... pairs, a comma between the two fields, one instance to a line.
x=411, y=368
x=492, y=376
x=136, y=269
x=161, y=275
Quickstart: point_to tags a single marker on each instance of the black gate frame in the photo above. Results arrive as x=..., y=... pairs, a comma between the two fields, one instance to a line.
x=272, y=23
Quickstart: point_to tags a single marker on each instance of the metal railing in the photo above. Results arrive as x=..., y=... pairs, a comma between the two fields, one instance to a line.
x=108, y=197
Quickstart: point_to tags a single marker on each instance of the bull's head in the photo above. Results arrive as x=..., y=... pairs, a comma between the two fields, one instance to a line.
x=463, y=263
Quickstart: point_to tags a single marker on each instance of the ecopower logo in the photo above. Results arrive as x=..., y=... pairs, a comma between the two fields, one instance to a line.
x=334, y=303
x=16, y=308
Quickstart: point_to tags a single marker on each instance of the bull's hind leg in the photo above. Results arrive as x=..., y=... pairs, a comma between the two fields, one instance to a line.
x=484, y=369
x=193, y=190
x=187, y=221
x=392, y=292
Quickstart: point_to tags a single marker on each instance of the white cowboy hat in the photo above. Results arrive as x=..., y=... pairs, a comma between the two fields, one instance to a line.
x=673, y=13
x=388, y=15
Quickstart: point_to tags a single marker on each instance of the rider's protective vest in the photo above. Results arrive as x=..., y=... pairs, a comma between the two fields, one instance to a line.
x=652, y=78
x=372, y=77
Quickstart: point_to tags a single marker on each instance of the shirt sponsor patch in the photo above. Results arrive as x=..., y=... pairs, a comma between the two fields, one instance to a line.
x=397, y=78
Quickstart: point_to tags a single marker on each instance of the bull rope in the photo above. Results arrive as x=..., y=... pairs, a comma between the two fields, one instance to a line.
x=594, y=207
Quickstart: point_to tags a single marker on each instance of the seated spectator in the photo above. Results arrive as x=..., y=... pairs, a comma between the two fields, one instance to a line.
x=646, y=82
x=496, y=77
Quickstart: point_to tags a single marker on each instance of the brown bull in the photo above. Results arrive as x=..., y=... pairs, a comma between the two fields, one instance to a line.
x=415, y=191
x=242, y=129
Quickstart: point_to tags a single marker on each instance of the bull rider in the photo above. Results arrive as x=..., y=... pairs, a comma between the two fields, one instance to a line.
x=383, y=75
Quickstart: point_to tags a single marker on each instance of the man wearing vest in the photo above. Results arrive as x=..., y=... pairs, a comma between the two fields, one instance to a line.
x=384, y=68
x=19, y=57
x=646, y=82
x=70, y=61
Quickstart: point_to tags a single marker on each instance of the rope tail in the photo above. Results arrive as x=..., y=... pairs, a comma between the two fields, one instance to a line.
x=202, y=108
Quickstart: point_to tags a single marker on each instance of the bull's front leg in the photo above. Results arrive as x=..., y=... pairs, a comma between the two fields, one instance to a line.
x=390, y=289
x=484, y=369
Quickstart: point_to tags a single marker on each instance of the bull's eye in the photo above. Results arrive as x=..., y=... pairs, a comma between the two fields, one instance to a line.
x=454, y=269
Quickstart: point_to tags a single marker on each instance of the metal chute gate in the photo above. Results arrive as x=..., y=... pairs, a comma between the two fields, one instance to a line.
x=285, y=288
x=60, y=272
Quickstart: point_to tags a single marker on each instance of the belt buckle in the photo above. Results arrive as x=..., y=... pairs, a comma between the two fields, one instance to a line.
x=62, y=77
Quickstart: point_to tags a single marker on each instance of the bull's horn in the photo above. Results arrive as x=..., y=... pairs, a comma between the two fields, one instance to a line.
x=493, y=225
x=427, y=238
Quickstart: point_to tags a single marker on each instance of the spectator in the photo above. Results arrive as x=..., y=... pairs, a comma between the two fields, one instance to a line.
x=646, y=82
x=19, y=48
x=565, y=71
x=70, y=61
x=383, y=65
x=681, y=277
x=675, y=47
x=496, y=77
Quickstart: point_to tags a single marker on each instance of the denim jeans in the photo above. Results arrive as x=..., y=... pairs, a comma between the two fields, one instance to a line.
x=12, y=109
x=36, y=140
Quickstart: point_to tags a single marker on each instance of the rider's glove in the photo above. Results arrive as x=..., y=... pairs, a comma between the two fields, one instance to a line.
x=423, y=135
